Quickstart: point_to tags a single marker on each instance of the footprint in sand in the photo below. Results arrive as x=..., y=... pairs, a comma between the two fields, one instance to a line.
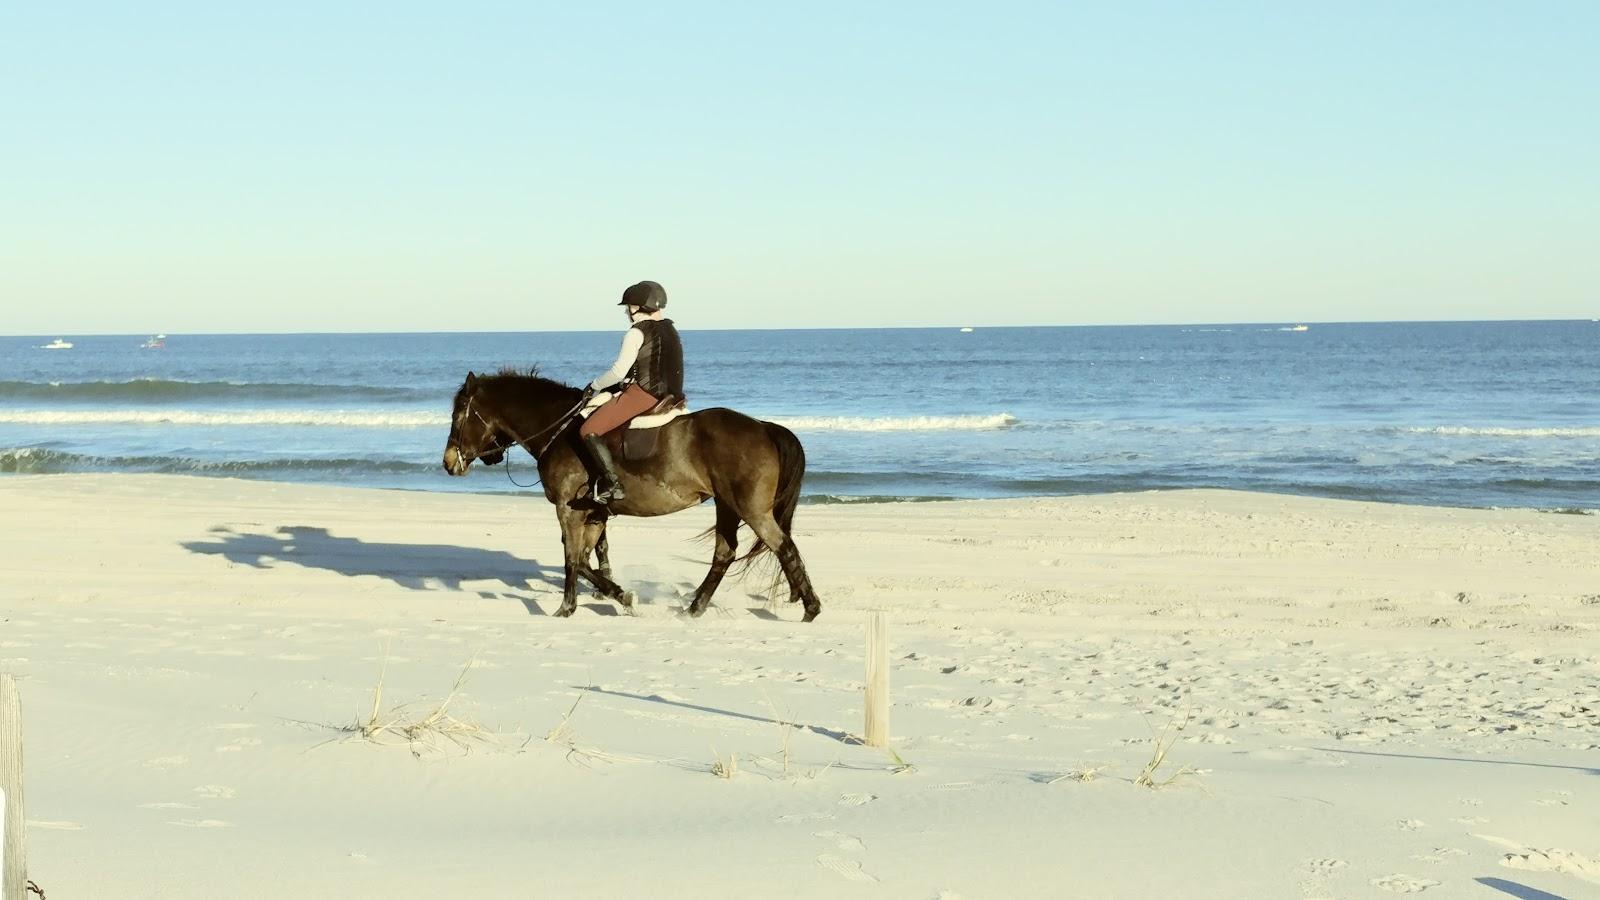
x=1325, y=866
x=1404, y=884
x=238, y=745
x=166, y=762
x=844, y=868
x=215, y=792
x=1410, y=824
x=805, y=817
x=841, y=840
x=857, y=799
x=201, y=823
x=1439, y=854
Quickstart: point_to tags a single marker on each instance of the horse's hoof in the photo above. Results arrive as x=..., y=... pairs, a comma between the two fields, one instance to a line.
x=566, y=611
x=812, y=614
x=628, y=599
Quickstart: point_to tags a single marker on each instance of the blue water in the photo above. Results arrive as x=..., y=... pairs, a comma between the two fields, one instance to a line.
x=1466, y=414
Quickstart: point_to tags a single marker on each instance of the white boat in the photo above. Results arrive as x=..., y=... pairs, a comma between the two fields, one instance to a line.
x=1299, y=328
x=966, y=331
x=159, y=342
x=57, y=344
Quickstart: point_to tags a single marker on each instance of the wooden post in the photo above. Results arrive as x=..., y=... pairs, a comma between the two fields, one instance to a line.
x=877, y=680
x=13, y=846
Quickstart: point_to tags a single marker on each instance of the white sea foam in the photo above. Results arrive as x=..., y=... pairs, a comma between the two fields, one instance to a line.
x=341, y=418
x=898, y=423
x=335, y=418
x=1465, y=431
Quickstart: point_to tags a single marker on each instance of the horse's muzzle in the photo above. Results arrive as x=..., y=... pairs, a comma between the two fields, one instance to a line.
x=454, y=462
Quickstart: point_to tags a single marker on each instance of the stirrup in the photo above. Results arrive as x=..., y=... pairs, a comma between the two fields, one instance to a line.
x=612, y=491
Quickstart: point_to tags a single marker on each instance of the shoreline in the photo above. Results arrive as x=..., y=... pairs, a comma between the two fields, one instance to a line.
x=820, y=498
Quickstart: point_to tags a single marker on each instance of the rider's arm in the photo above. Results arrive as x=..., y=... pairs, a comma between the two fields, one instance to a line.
x=631, y=342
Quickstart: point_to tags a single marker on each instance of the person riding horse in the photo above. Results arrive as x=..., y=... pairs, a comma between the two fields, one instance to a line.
x=651, y=365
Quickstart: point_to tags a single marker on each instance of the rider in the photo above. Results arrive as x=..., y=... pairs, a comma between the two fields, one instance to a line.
x=651, y=362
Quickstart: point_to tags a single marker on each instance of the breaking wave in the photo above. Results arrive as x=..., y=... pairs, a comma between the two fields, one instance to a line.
x=898, y=423
x=1466, y=431
x=336, y=418
x=43, y=461
x=157, y=390
x=370, y=418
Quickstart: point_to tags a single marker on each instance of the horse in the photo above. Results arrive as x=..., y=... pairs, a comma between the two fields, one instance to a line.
x=752, y=470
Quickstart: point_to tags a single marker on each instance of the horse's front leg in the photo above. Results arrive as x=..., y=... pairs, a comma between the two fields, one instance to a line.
x=602, y=579
x=576, y=553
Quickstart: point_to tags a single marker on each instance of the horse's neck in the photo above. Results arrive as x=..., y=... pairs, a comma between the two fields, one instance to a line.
x=528, y=413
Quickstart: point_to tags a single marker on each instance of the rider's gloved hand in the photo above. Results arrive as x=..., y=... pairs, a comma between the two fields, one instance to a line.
x=588, y=394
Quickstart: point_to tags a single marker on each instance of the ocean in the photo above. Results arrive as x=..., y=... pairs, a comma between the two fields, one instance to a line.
x=1478, y=414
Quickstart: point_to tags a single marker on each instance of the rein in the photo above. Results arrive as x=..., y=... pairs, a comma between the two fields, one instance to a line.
x=518, y=441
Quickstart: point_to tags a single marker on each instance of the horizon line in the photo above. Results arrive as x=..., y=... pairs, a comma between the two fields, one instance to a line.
x=1274, y=322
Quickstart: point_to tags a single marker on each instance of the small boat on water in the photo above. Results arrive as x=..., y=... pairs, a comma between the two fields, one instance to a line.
x=1299, y=328
x=57, y=344
x=966, y=331
x=159, y=342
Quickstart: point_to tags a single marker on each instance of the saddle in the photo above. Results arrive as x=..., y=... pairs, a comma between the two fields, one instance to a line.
x=637, y=440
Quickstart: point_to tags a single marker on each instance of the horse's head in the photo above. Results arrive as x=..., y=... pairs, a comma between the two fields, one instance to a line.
x=475, y=431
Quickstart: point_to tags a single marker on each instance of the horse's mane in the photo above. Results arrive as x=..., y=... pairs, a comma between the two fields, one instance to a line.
x=530, y=376
x=514, y=383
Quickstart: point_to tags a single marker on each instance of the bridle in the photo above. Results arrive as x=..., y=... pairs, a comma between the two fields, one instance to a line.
x=554, y=430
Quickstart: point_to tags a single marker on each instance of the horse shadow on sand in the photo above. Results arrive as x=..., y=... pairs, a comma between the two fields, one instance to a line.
x=415, y=566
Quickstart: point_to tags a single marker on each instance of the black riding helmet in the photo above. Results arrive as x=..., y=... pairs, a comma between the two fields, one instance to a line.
x=647, y=295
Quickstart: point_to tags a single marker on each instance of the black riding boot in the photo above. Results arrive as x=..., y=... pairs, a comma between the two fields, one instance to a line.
x=609, y=488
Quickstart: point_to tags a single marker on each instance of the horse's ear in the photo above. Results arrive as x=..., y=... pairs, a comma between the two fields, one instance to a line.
x=471, y=379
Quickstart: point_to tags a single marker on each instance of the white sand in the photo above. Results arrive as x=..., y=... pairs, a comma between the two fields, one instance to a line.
x=1380, y=699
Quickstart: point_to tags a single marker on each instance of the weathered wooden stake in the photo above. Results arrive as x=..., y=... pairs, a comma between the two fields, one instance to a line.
x=13, y=846
x=877, y=680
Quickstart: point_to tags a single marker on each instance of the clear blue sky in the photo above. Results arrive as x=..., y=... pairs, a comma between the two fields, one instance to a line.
x=402, y=166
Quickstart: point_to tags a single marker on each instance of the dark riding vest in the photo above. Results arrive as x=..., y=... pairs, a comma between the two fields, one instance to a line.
x=659, y=367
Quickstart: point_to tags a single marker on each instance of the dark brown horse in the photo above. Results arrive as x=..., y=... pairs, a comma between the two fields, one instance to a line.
x=751, y=468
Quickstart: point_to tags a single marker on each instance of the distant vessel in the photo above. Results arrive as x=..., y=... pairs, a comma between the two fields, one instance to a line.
x=1299, y=328
x=966, y=331
x=57, y=344
x=159, y=342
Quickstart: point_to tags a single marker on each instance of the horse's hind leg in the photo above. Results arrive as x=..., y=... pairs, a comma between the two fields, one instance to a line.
x=794, y=569
x=727, y=535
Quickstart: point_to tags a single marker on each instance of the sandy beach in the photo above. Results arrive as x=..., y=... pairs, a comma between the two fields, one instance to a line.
x=1357, y=699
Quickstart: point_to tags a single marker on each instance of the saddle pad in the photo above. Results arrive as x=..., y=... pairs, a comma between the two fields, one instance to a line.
x=638, y=423
x=641, y=423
